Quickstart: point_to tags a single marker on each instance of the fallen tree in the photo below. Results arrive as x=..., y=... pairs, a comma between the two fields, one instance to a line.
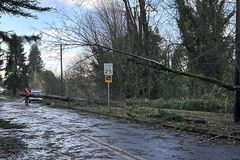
x=157, y=65
x=67, y=99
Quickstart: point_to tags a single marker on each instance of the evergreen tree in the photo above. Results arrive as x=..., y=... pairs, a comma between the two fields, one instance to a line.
x=16, y=68
x=19, y=8
x=202, y=26
x=51, y=83
x=35, y=60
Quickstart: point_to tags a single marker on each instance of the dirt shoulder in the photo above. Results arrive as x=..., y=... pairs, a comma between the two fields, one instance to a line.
x=213, y=126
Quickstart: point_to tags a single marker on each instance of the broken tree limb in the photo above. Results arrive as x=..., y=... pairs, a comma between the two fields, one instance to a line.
x=55, y=97
x=186, y=74
x=67, y=99
x=157, y=65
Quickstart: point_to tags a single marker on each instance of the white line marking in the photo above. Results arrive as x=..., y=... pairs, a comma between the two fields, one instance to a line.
x=116, y=150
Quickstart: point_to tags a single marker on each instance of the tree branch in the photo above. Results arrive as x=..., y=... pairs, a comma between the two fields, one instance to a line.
x=157, y=65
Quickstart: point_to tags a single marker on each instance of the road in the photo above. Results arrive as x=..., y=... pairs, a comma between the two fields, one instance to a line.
x=66, y=134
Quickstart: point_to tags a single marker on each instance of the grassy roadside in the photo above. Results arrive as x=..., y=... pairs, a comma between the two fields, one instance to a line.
x=10, y=144
x=4, y=124
x=217, y=126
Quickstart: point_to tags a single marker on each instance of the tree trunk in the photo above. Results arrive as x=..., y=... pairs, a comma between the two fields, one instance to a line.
x=237, y=73
x=145, y=44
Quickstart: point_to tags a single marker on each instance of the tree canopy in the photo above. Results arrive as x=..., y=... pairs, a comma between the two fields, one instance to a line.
x=23, y=8
x=16, y=68
x=35, y=60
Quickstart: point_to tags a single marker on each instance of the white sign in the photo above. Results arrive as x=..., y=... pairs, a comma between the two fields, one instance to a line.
x=108, y=69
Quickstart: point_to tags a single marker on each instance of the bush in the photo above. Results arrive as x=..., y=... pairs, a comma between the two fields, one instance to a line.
x=204, y=103
x=7, y=93
x=4, y=124
x=164, y=116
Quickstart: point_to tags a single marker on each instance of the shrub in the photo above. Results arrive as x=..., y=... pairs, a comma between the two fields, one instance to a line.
x=204, y=103
x=7, y=93
x=4, y=124
x=164, y=116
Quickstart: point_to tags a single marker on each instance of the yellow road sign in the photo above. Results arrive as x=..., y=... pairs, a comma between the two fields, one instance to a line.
x=108, y=79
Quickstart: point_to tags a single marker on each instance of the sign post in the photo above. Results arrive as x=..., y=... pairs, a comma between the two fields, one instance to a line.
x=108, y=72
x=108, y=95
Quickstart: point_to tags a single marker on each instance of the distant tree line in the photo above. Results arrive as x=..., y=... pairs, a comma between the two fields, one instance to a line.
x=17, y=71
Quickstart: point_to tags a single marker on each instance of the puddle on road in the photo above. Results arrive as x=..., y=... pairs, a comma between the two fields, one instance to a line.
x=100, y=125
x=82, y=131
x=156, y=137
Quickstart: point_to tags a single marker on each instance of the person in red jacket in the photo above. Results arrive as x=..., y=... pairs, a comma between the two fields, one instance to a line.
x=27, y=95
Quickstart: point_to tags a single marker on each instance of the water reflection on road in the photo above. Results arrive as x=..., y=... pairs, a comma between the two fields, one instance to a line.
x=65, y=134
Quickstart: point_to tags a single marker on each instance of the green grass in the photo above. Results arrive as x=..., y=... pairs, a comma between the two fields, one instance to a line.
x=204, y=103
x=164, y=116
x=11, y=143
x=8, y=125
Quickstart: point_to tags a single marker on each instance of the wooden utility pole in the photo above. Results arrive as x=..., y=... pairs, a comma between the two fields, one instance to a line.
x=61, y=49
x=61, y=67
x=237, y=72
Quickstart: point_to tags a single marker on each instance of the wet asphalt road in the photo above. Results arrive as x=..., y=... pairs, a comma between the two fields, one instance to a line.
x=65, y=134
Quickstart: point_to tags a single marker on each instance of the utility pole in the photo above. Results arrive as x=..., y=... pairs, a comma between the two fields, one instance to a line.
x=61, y=67
x=61, y=62
x=61, y=49
x=237, y=72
